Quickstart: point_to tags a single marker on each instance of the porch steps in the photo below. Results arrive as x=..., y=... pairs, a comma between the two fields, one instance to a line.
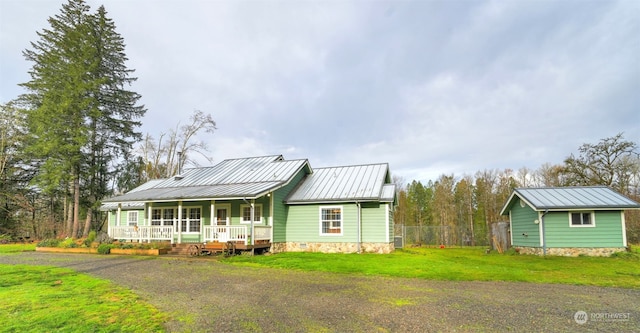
x=183, y=248
x=179, y=249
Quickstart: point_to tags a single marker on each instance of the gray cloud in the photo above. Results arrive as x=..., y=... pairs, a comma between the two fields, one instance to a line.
x=432, y=87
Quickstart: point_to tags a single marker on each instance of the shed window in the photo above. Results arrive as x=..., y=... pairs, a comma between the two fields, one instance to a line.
x=581, y=219
x=331, y=221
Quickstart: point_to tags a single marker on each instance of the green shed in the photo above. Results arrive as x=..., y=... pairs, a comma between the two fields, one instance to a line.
x=568, y=221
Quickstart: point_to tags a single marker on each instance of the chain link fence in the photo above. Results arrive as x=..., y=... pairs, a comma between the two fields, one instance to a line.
x=446, y=235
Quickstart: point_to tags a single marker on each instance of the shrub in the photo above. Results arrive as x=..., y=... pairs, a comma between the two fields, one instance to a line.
x=68, y=243
x=104, y=248
x=5, y=239
x=92, y=236
x=49, y=243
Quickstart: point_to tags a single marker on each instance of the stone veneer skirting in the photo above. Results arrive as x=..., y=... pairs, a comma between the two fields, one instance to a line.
x=332, y=247
x=571, y=251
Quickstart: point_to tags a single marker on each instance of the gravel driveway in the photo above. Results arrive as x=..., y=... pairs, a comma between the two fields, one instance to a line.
x=203, y=295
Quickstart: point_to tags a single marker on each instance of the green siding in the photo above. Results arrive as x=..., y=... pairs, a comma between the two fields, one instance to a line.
x=373, y=223
x=236, y=213
x=124, y=216
x=522, y=222
x=607, y=231
x=280, y=209
x=391, y=223
x=304, y=223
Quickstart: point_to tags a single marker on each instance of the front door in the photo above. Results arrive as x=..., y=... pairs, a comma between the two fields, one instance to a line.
x=222, y=216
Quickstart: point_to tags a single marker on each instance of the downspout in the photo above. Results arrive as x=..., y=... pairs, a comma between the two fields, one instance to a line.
x=359, y=226
x=544, y=237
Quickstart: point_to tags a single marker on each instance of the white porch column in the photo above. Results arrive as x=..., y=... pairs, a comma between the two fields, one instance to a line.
x=118, y=214
x=271, y=217
x=179, y=222
x=214, y=220
x=253, y=238
x=148, y=217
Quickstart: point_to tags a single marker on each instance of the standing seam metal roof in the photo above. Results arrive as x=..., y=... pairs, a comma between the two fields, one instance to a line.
x=569, y=198
x=234, y=178
x=347, y=183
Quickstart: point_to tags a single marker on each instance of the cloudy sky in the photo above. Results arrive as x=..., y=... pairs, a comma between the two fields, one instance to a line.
x=431, y=87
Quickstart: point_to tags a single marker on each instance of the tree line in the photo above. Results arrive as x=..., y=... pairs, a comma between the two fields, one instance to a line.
x=468, y=205
x=73, y=138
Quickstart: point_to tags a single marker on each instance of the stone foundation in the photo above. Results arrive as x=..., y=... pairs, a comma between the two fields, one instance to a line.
x=571, y=251
x=332, y=247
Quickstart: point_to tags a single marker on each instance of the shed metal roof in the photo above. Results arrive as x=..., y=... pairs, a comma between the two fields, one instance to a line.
x=234, y=178
x=346, y=183
x=571, y=198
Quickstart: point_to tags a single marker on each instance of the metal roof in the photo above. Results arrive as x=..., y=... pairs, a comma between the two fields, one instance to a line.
x=571, y=198
x=234, y=178
x=347, y=183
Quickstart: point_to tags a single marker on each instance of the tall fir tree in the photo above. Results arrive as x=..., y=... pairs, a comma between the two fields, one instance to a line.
x=81, y=117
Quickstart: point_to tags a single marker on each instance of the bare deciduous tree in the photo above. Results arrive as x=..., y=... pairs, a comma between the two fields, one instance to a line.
x=171, y=152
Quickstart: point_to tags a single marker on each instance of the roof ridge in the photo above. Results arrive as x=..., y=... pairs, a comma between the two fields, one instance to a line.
x=353, y=165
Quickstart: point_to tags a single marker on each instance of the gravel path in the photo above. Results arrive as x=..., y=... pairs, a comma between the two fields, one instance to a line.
x=203, y=295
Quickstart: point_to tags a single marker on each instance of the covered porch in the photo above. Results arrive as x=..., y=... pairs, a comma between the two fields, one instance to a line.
x=241, y=236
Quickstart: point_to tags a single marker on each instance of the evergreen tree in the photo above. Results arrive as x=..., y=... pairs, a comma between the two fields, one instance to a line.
x=81, y=117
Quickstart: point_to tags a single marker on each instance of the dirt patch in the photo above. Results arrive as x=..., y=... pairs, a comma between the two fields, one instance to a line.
x=203, y=295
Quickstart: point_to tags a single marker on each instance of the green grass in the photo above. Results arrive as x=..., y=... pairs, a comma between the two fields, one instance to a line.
x=464, y=264
x=16, y=248
x=48, y=299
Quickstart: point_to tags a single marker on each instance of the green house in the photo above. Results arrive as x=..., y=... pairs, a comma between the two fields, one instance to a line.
x=568, y=221
x=264, y=203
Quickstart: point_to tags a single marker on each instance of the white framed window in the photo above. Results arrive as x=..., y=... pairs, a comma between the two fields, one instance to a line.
x=132, y=218
x=245, y=213
x=582, y=219
x=164, y=216
x=331, y=221
x=191, y=217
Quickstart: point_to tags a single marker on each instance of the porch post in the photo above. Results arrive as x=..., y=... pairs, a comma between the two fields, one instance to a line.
x=271, y=217
x=214, y=220
x=148, y=217
x=119, y=213
x=253, y=236
x=179, y=222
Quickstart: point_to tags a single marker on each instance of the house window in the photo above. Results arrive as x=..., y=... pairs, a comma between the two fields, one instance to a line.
x=581, y=219
x=191, y=219
x=163, y=216
x=132, y=218
x=246, y=213
x=331, y=221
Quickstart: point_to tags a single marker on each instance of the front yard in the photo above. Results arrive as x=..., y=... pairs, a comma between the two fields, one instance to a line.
x=291, y=292
x=465, y=264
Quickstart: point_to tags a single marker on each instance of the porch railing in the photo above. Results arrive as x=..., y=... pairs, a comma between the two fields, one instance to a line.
x=142, y=233
x=262, y=232
x=224, y=233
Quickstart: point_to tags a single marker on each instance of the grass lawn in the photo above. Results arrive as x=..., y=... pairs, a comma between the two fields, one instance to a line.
x=465, y=264
x=50, y=299
x=45, y=299
x=15, y=248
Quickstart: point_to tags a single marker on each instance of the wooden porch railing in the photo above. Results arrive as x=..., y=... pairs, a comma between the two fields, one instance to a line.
x=142, y=233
